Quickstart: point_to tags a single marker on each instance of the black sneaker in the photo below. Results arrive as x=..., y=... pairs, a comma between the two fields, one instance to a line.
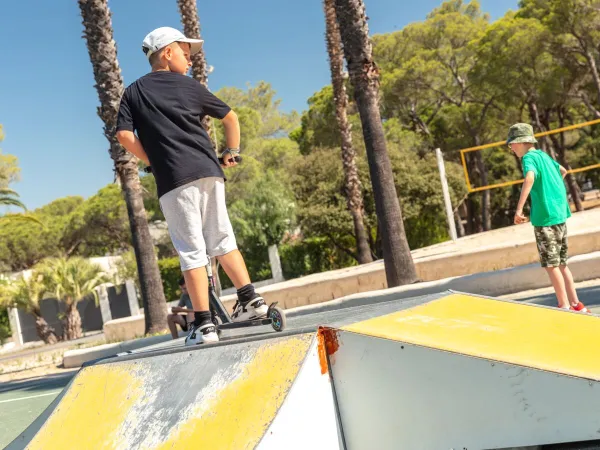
x=202, y=334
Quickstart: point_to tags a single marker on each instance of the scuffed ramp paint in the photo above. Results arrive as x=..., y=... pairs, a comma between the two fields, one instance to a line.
x=395, y=395
x=522, y=334
x=115, y=387
x=307, y=419
x=222, y=397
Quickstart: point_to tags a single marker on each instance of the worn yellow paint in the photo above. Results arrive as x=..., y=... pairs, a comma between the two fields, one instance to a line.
x=527, y=335
x=239, y=414
x=90, y=415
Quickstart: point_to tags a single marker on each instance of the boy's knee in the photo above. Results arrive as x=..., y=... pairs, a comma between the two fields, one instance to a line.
x=171, y=317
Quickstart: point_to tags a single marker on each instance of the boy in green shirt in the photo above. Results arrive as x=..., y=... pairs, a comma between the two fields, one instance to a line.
x=549, y=211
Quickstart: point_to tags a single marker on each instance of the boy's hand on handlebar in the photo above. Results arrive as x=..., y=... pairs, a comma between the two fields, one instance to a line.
x=230, y=158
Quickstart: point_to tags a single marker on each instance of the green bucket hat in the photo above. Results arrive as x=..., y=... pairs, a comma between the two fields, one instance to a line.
x=521, y=132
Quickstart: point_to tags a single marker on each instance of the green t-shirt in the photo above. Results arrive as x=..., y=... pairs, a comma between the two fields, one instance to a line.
x=549, y=205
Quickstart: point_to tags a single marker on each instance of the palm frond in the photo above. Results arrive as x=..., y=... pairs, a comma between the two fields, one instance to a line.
x=9, y=201
x=24, y=218
x=8, y=197
x=72, y=279
x=24, y=293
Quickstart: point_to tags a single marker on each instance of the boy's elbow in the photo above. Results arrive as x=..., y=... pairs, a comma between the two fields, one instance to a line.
x=230, y=117
x=123, y=136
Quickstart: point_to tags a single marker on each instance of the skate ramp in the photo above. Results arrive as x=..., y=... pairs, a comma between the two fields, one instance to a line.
x=220, y=397
x=447, y=371
x=465, y=372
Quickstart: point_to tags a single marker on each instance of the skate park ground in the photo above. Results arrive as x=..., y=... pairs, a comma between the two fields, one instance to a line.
x=24, y=400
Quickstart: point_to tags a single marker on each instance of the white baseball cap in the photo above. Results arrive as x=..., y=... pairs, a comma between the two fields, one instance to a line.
x=163, y=36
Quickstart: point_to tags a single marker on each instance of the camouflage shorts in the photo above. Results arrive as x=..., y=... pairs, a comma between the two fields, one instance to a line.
x=552, y=245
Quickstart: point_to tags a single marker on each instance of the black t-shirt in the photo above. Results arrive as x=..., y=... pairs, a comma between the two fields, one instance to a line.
x=165, y=110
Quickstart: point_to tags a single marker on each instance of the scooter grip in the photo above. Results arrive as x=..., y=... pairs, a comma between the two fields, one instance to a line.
x=237, y=159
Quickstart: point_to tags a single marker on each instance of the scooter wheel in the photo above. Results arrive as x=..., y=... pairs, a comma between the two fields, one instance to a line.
x=277, y=317
x=218, y=322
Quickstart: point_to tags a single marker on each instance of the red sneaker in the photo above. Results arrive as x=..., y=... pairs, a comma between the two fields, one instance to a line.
x=580, y=307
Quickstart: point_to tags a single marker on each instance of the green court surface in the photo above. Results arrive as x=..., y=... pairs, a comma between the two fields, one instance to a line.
x=22, y=401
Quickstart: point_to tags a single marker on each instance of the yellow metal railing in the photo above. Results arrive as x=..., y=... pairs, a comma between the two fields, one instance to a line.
x=472, y=189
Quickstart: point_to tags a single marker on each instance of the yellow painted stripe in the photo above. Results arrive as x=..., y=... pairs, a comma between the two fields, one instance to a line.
x=80, y=421
x=526, y=335
x=103, y=400
x=240, y=413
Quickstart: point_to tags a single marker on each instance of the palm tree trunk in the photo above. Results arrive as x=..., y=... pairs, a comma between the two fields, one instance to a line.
x=364, y=74
x=560, y=147
x=352, y=182
x=98, y=34
x=486, y=200
x=594, y=69
x=535, y=117
x=191, y=28
x=44, y=331
x=72, y=322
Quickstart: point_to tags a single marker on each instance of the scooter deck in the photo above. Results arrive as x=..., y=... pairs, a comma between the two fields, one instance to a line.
x=245, y=323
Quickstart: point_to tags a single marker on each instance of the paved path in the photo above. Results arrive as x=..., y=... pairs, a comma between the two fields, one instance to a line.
x=587, y=291
x=22, y=401
x=89, y=338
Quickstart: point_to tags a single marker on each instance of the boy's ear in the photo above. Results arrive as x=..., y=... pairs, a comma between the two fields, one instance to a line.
x=168, y=52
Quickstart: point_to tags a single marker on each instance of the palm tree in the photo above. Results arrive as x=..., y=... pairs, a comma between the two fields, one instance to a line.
x=352, y=182
x=191, y=28
x=70, y=280
x=8, y=197
x=101, y=46
x=26, y=294
x=364, y=75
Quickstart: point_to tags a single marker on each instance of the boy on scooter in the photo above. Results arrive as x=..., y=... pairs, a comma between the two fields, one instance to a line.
x=165, y=109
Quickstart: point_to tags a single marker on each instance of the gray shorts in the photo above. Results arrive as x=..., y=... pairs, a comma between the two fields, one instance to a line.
x=198, y=222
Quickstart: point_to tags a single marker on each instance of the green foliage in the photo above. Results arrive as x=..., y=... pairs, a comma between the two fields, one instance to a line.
x=150, y=194
x=5, y=331
x=127, y=270
x=312, y=255
x=322, y=212
x=24, y=293
x=71, y=279
x=264, y=215
x=24, y=244
x=170, y=272
x=9, y=167
x=71, y=226
x=99, y=225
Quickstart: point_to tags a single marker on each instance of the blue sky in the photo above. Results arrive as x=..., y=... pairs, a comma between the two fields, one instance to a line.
x=47, y=96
